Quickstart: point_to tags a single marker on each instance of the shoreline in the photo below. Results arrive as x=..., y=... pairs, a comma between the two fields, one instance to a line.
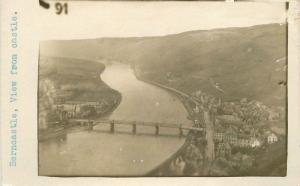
x=50, y=133
x=162, y=169
x=57, y=131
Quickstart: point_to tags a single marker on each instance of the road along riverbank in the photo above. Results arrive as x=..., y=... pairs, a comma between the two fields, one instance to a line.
x=188, y=160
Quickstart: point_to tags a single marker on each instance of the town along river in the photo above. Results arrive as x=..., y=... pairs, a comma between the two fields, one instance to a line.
x=100, y=153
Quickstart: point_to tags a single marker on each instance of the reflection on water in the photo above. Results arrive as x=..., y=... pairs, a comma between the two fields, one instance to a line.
x=99, y=153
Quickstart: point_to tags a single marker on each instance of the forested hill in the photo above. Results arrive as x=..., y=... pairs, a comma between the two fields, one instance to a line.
x=245, y=62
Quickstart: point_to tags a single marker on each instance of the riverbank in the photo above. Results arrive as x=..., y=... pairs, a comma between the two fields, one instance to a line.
x=187, y=160
x=121, y=153
x=72, y=88
x=221, y=166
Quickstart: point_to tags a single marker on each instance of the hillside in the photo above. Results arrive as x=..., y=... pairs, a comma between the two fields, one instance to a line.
x=245, y=62
x=73, y=80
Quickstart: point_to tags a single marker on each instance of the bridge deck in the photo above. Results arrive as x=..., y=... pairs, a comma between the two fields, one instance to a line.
x=139, y=123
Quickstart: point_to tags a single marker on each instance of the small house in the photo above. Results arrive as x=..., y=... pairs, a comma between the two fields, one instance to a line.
x=223, y=149
x=272, y=138
x=219, y=136
x=254, y=142
x=244, y=142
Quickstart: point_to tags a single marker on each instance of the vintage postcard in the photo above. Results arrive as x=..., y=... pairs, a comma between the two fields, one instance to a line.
x=125, y=90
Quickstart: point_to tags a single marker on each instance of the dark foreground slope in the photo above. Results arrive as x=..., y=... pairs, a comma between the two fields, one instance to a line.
x=246, y=62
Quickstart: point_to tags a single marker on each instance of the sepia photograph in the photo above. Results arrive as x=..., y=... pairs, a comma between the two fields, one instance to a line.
x=196, y=93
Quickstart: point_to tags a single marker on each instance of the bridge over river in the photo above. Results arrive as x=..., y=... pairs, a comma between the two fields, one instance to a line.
x=144, y=109
x=135, y=124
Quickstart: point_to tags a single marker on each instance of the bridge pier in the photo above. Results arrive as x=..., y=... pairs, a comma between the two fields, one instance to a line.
x=180, y=131
x=156, y=129
x=112, y=126
x=134, y=128
x=90, y=125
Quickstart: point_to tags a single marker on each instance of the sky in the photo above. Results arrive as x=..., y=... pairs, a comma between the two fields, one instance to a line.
x=94, y=19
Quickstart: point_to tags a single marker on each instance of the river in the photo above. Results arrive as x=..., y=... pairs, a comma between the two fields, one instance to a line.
x=100, y=153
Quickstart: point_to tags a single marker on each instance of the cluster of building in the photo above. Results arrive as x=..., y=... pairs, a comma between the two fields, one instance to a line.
x=241, y=124
x=226, y=141
x=79, y=109
x=207, y=102
x=54, y=106
x=244, y=136
x=231, y=132
x=252, y=112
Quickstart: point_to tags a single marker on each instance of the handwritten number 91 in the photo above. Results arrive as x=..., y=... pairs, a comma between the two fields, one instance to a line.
x=61, y=8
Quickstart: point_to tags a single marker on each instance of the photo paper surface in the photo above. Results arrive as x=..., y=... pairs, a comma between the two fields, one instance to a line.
x=110, y=91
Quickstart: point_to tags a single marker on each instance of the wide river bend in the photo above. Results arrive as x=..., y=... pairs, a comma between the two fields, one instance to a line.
x=100, y=153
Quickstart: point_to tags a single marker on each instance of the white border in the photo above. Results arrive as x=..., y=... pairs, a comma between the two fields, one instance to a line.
x=26, y=175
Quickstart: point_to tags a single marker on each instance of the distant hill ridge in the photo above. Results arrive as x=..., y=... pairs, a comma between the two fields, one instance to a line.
x=241, y=60
x=89, y=48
